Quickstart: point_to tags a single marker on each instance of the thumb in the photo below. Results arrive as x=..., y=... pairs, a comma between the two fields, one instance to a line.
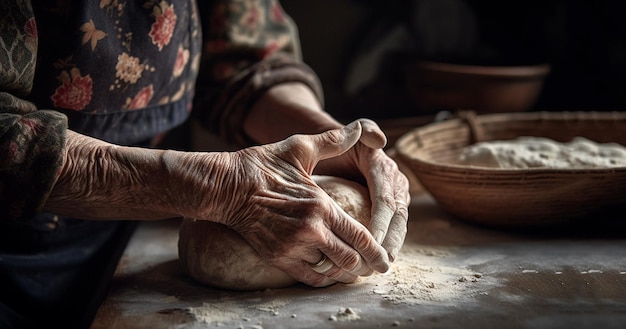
x=372, y=136
x=335, y=142
x=329, y=144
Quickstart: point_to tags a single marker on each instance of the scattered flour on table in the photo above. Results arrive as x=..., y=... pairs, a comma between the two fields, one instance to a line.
x=537, y=152
x=345, y=314
x=273, y=306
x=231, y=311
x=420, y=276
x=214, y=313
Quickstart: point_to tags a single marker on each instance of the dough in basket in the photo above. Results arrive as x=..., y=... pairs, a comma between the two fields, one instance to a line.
x=540, y=152
x=215, y=255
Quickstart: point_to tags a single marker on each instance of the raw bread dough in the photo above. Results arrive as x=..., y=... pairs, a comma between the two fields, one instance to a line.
x=215, y=255
x=539, y=152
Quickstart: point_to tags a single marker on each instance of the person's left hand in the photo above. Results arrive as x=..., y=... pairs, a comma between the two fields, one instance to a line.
x=388, y=186
x=293, y=108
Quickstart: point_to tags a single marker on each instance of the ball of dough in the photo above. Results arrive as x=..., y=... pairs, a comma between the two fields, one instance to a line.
x=216, y=255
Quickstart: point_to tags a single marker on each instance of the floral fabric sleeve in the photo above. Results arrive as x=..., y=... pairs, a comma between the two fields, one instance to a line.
x=249, y=46
x=31, y=141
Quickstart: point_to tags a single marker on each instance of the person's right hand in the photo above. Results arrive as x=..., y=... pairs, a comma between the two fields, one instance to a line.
x=267, y=195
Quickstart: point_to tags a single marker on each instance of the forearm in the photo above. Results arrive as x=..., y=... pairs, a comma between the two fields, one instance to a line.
x=99, y=180
x=96, y=182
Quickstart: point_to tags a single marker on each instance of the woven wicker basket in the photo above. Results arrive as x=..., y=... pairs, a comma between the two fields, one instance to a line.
x=514, y=197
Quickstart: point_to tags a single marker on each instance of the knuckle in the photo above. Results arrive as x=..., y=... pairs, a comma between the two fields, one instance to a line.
x=299, y=145
x=386, y=200
x=361, y=239
x=335, y=136
x=403, y=212
x=351, y=261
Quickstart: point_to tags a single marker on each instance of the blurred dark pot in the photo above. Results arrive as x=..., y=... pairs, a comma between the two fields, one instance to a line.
x=436, y=86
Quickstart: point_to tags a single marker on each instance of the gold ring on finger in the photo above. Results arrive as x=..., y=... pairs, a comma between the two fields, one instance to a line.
x=323, y=265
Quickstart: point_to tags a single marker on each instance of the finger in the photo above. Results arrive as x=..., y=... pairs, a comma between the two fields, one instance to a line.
x=396, y=232
x=372, y=136
x=310, y=149
x=362, y=270
x=355, y=263
x=353, y=234
x=321, y=273
x=338, y=274
x=346, y=258
x=345, y=254
x=327, y=268
x=389, y=199
x=335, y=142
x=383, y=204
x=308, y=276
x=389, y=218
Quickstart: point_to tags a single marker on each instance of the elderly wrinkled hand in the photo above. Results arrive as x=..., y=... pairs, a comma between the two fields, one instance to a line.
x=388, y=186
x=268, y=196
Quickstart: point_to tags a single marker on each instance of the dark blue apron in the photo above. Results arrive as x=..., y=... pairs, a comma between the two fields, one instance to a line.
x=55, y=270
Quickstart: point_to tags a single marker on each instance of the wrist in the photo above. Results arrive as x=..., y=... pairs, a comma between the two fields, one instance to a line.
x=284, y=110
x=200, y=185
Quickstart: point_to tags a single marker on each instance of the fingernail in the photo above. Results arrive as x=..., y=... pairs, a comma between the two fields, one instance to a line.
x=361, y=270
x=351, y=126
x=385, y=267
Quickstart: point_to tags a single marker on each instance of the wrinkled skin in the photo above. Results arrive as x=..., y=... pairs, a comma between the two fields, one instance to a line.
x=301, y=225
x=265, y=193
x=289, y=220
x=389, y=188
x=292, y=108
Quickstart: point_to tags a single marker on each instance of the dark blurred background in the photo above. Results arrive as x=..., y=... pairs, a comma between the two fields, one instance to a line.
x=365, y=50
x=361, y=49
